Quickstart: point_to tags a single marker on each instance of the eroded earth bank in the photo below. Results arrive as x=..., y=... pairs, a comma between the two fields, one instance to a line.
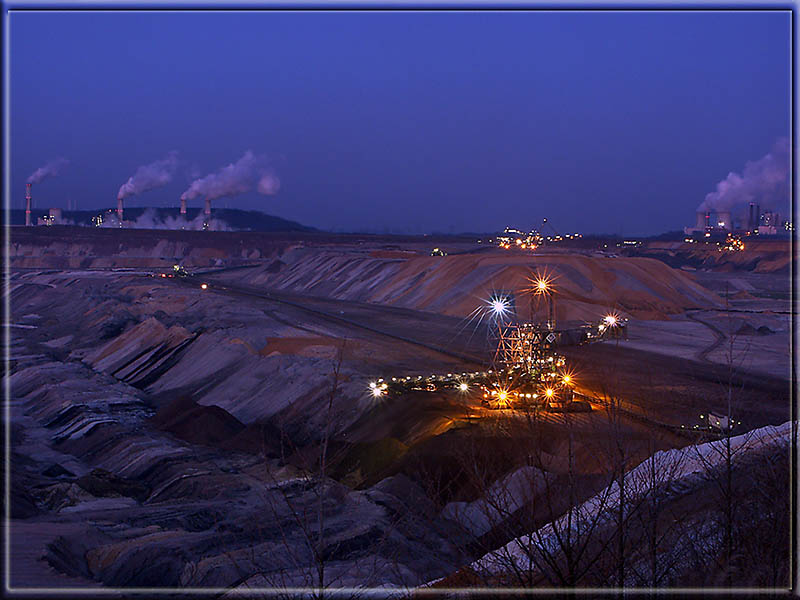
x=166, y=435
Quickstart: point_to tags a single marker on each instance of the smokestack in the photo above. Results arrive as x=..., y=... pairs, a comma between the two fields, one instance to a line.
x=207, y=209
x=183, y=206
x=701, y=220
x=119, y=209
x=28, y=204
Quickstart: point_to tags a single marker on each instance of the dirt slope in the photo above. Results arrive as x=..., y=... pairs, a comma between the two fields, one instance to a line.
x=587, y=286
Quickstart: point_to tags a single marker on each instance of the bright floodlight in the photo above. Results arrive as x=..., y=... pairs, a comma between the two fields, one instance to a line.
x=567, y=378
x=610, y=320
x=377, y=392
x=463, y=387
x=502, y=395
x=499, y=306
x=542, y=283
x=203, y=286
x=549, y=392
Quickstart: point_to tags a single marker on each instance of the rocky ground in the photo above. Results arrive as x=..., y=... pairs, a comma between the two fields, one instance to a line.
x=148, y=420
x=163, y=435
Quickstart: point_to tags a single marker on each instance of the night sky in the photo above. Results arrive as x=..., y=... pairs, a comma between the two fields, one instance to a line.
x=612, y=122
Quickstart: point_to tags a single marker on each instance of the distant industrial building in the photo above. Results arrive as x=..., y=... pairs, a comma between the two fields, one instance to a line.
x=54, y=217
x=705, y=224
x=720, y=222
x=770, y=224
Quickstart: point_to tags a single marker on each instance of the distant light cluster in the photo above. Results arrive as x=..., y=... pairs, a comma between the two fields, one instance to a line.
x=515, y=239
x=733, y=243
x=498, y=388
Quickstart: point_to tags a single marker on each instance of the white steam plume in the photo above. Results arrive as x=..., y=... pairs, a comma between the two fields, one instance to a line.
x=149, y=219
x=51, y=169
x=765, y=181
x=148, y=177
x=268, y=184
x=250, y=171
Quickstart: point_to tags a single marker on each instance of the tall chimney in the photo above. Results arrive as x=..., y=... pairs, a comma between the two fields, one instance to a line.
x=755, y=217
x=183, y=206
x=27, y=204
x=207, y=209
x=119, y=209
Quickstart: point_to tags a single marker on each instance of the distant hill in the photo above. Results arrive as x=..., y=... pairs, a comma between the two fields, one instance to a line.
x=244, y=220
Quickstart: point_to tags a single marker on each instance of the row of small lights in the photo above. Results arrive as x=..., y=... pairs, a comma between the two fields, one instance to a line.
x=533, y=241
x=380, y=387
x=710, y=426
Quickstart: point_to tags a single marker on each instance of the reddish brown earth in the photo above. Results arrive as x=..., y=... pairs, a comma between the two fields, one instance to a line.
x=213, y=401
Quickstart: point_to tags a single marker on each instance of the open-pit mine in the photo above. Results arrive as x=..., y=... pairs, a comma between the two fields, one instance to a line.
x=244, y=411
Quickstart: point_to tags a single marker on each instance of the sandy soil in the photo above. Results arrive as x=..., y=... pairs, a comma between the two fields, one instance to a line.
x=683, y=338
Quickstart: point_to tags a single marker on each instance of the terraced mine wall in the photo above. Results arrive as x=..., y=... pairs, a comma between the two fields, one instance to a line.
x=759, y=256
x=150, y=419
x=84, y=248
x=151, y=424
x=69, y=247
x=587, y=287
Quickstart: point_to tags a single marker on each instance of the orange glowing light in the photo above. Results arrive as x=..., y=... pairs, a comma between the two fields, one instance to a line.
x=541, y=283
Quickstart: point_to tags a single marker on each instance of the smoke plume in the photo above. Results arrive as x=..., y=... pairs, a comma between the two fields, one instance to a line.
x=51, y=169
x=250, y=171
x=148, y=177
x=765, y=181
x=149, y=219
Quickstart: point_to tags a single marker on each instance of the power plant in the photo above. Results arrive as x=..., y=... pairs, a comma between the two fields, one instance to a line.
x=722, y=221
x=711, y=222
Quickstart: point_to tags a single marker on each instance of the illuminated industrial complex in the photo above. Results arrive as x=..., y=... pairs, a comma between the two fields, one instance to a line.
x=526, y=369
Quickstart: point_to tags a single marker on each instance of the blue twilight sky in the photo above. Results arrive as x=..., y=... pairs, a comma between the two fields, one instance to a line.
x=617, y=122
